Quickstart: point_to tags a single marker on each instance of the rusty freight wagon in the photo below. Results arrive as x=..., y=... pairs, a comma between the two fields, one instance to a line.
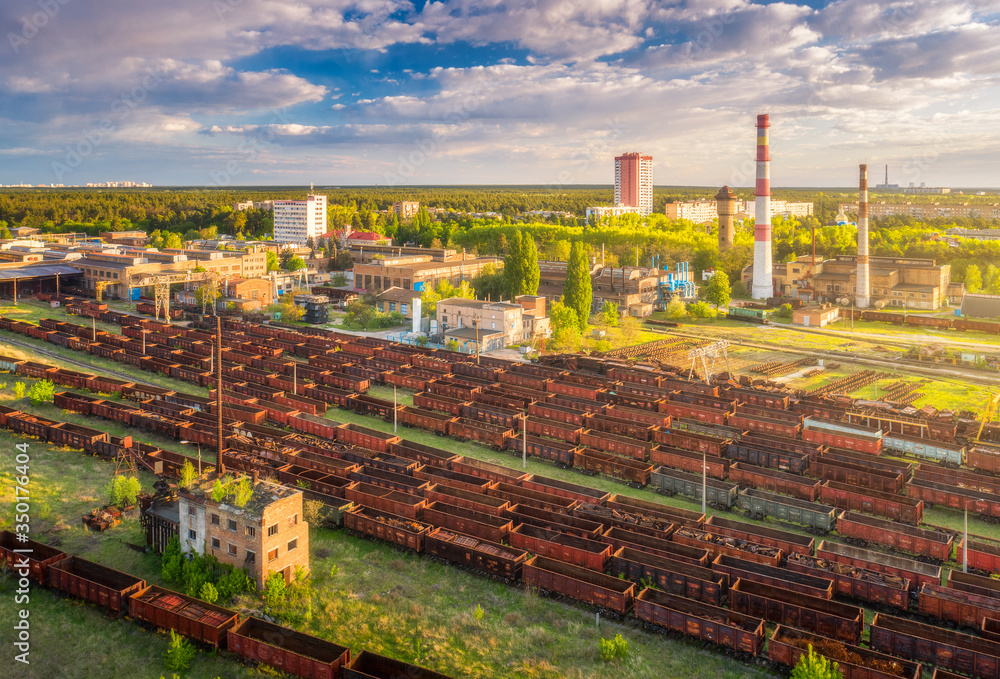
x=477, y=502
x=854, y=582
x=685, y=517
x=721, y=544
x=858, y=475
x=774, y=481
x=943, y=648
x=787, y=542
x=621, y=427
x=633, y=472
x=639, y=416
x=818, y=518
x=424, y=454
x=466, y=521
x=363, y=437
x=861, y=530
x=699, y=443
x=983, y=556
x=772, y=458
x=471, y=430
x=619, y=445
x=564, y=523
x=729, y=629
x=856, y=442
x=654, y=544
x=490, y=557
x=974, y=584
x=410, y=416
x=957, y=477
x=827, y=618
x=193, y=618
x=388, y=479
x=368, y=665
x=487, y=470
x=439, y=402
x=956, y=606
x=36, y=556
x=532, y=498
x=690, y=461
x=720, y=494
x=917, y=573
x=293, y=652
x=544, y=411
x=908, y=510
x=781, y=428
x=604, y=591
x=561, y=546
x=385, y=500
x=570, y=433
x=435, y=475
x=400, y=531
x=955, y=497
x=738, y=568
x=704, y=415
x=565, y=489
x=670, y=575
x=788, y=645
x=559, y=452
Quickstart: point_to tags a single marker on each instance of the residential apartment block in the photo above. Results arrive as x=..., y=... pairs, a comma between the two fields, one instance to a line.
x=926, y=210
x=296, y=221
x=634, y=181
x=697, y=211
x=406, y=209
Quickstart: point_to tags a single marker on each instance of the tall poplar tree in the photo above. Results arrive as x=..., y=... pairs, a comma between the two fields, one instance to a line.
x=577, y=292
x=531, y=276
x=513, y=265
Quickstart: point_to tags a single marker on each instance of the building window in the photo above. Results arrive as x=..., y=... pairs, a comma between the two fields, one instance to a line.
x=215, y=519
x=191, y=510
x=402, y=308
x=232, y=549
x=392, y=306
x=215, y=543
x=293, y=520
x=192, y=534
x=232, y=525
x=272, y=530
x=293, y=544
x=272, y=555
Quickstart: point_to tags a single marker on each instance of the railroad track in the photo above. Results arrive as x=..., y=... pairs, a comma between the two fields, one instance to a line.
x=79, y=364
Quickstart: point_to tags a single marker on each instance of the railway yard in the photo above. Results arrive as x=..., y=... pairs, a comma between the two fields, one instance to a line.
x=545, y=492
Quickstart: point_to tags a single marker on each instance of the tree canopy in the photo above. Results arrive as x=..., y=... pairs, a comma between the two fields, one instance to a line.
x=577, y=291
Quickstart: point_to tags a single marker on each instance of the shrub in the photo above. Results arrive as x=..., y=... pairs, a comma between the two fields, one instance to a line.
x=614, y=649
x=814, y=666
x=701, y=310
x=675, y=309
x=784, y=311
x=188, y=475
x=42, y=392
x=243, y=491
x=479, y=613
x=122, y=491
x=179, y=654
x=19, y=390
x=208, y=593
x=274, y=590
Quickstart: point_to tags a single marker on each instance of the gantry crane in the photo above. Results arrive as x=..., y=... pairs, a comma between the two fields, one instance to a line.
x=989, y=413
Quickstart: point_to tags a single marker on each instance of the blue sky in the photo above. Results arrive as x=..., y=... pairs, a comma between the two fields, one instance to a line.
x=359, y=92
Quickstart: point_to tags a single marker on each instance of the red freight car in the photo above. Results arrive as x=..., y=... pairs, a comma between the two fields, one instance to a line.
x=467, y=521
x=532, y=498
x=564, y=523
x=554, y=430
x=669, y=575
x=563, y=547
x=631, y=471
x=789, y=543
x=684, y=440
x=690, y=461
x=466, y=499
x=763, y=456
x=788, y=645
x=726, y=628
x=401, y=531
x=35, y=555
x=429, y=420
x=433, y=475
x=709, y=415
x=856, y=475
x=621, y=536
x=293, y=652
x=639, y=416
x=895, y=507
x=95, y=583
x=721, y=544
x=363, y=437
x=774, y=481
x=470, y=430
x=861, y=530
x=423, y=454
x=854, y=582
x=619, y=445
x=766, y=426
x=546, y=411
x=830, y=619
x=597, y=589
x=621, y=427
x=946, y=649
x=957, y=477
x=955, y=497
x=490, y=557
x=385, y=500
x=958, y=607
x=492, y=415
x=487, y=470
x=186, y=615
x=917, y=573
x=566, y=489
x=983, y=556
x=737, y=568
x=855, y=442
x=684, y=517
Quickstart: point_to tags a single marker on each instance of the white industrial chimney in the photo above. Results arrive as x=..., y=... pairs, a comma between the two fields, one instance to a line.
x=763, y=283
x=863, y=292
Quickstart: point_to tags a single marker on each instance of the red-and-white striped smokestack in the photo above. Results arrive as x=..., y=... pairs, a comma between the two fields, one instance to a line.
x=862, y=297
x=763, y=284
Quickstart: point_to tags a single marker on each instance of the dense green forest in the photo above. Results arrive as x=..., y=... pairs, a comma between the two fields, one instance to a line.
x=193, y=213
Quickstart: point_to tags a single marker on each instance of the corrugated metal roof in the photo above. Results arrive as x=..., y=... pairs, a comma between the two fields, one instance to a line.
x=981, y=306
x=38, y=271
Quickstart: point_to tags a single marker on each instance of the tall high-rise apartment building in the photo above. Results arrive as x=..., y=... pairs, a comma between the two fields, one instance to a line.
x=295, y=221
x=634, y=181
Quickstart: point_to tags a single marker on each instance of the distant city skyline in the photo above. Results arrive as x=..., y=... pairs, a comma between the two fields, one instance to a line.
x=478, y=92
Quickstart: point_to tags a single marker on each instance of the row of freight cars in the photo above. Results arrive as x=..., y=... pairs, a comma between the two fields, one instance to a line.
x=248, y=638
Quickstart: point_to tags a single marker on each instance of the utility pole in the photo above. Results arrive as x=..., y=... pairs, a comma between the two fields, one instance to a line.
x=704, y=483
x=218, y=394
x=94, y=325
x=524, y=455
x=394, y=406
x=295, y=378
x=965, y=542
x=475, y=322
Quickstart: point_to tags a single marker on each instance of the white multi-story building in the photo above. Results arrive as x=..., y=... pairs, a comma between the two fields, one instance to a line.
x=296, y=221
x=779, y=208
x=697, y=211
